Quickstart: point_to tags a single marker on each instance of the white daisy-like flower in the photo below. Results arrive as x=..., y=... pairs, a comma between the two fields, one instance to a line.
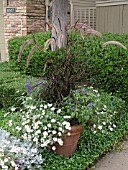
x=111, y=129
x=55, y=139
x=53, y=148
x=13, y=109
x=49, y=105
x=114, y=125
x=60, y=128
x=6, y=160
x=104, y=123
x=67, y=117
x=18, y=128
x=45, y=127
x=58, y=111
x=5, y=167
x=68, y=127
x=49, y=125
x=53, y=108
x=94, y=132
x=45, y=133
x=13, y=163
x=53, y=120
x=59, y=134
x=60, y=142
x=10, y=123
x=34, y=150
x=43, y=112
x=45, y=106
x=32, y=107
x=68, y=133
x=94, y=126
x=35, y=139
x=41, y=105
x=100, y=127
x=54, y=132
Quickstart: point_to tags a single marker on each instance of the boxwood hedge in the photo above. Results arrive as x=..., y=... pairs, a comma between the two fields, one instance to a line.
x=105, y=67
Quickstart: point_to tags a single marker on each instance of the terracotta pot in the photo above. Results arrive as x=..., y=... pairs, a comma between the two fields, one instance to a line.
x=69, y=142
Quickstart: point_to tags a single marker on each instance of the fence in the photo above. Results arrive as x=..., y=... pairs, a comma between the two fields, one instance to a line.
x=111, y=16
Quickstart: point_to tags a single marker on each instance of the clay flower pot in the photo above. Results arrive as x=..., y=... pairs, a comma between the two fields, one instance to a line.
x=69, y=142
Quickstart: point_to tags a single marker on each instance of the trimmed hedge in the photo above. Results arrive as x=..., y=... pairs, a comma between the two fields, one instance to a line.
x=105, y=68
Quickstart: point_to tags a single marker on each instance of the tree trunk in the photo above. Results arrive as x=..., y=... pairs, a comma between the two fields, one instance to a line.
x=59, y=20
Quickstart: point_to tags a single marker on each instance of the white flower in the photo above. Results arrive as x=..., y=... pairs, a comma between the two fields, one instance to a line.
x=45, y=133
x=38, y=132
x=53, y=148
x=45, y=106
x=13, y=109
x=34, y=150
x=54, y=132
x=41, y=105
x=5, y=167
x=94, y=126
x=6, y=160
x=67, y=117
x=13, y=163
x=68, y=133
x=66, y=123
x=110, y=128
x=53, y=108
x=95, y=91
x=35, y=139
x=100, y=127
x=45, y=128
x=58, y=111
x=55, y=139
x=32, y=107
x=18, y=128
x=60, y=142
x=10, y=123
x=59, y=133
x=16, y=168
x=104, y=123
x=49, y=105
x=43, y=112
x=114, y=125
x=1, y=163
x=49, y=125
x=53, y=120
x=60, y=128
x=68, y=127
x=6, y=114
x=94, y=132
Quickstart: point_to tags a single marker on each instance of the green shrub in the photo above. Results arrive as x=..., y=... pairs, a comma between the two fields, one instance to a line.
x=14, y=48
x=10, y=91
x=105, y=67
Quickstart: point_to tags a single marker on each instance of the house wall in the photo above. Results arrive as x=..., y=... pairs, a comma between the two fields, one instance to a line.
x=2, y=40
x=36, y=12
x=111, y=16
x=14, y=23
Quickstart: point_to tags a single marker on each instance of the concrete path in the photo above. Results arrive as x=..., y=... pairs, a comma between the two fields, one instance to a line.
x=116, y=160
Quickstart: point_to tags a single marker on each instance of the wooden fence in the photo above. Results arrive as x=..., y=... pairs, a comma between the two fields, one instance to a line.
x=112, y=16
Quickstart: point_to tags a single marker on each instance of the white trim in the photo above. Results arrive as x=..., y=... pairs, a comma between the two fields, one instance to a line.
x=111, y=3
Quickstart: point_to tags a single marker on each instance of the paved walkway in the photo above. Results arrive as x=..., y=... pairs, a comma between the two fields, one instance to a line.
x=116, y=160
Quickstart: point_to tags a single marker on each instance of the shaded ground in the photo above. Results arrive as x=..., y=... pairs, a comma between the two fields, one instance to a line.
x=116, y=160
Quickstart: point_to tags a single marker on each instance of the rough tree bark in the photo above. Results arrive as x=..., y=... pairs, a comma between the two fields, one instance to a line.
x=59, y=19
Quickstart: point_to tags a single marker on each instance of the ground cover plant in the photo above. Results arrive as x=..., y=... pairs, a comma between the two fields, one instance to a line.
x=62, y=98
x=90, y=147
